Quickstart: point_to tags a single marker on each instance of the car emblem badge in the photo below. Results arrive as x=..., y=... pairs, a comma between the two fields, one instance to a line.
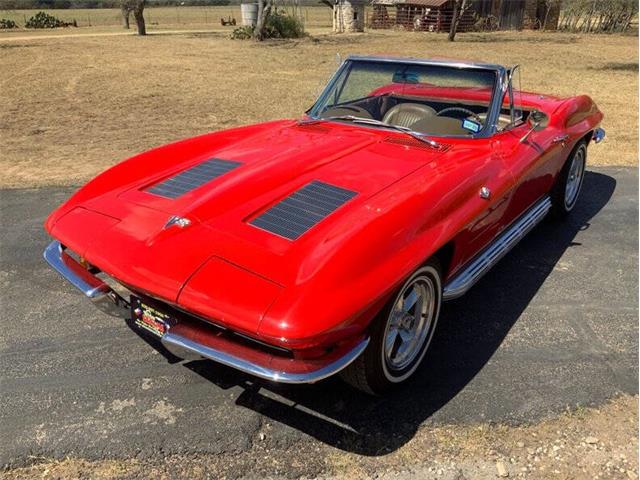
x=485, y=193
x=177, y=221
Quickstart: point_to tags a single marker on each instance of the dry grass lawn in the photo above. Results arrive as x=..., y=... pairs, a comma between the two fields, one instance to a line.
x=72, y=106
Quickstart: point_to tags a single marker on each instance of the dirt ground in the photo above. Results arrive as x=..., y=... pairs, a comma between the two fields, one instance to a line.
x=584, y=444
x=75, y=105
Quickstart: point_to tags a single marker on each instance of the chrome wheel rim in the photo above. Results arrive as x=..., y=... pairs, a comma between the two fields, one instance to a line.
x=574, y=179
x=410, y=321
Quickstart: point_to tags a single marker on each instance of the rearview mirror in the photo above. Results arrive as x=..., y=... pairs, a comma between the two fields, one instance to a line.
x=537, y=121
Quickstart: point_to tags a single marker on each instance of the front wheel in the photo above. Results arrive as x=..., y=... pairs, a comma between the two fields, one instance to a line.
x=400, y=334
x=569, y=183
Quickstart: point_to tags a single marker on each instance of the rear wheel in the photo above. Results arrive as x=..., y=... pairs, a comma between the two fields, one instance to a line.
x=401, y=334
x=569, y=183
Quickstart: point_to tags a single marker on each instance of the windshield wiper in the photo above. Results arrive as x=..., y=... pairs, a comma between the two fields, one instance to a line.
x=371, y=121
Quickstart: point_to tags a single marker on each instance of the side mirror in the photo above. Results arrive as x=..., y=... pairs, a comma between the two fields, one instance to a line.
x=537, y=121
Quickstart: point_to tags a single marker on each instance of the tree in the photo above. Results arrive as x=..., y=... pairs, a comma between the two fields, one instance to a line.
x=126, y=13
x=137, y=7
x=264, y=10
x=138, y=15
x=459, y=9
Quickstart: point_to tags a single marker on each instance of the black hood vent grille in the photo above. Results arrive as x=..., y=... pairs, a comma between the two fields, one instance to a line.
x=193, y=178
x=303, y=209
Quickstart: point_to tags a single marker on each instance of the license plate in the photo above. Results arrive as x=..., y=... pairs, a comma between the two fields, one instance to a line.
x=149, y=318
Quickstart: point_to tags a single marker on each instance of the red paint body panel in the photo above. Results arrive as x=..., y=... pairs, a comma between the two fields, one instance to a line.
x=326, y=286
x=79, y=228
x=235, y=297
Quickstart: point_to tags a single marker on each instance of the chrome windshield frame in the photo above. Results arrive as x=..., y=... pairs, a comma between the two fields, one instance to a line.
x=500, y=86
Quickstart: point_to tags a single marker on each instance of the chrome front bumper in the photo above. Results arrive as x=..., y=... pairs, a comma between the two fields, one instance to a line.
x=309, y=372
x=95, y=289
x=193, y=340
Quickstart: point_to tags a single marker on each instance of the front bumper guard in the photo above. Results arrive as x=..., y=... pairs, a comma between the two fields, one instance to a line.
x=95, y=289
x=190, y=340
x=260, y=364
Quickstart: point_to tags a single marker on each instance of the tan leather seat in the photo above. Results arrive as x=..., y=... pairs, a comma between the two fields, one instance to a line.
x=503, y=120
x=406, y=114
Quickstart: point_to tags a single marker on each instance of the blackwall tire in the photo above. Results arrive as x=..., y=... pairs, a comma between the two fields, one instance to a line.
x=400, y=334
x=566, y=190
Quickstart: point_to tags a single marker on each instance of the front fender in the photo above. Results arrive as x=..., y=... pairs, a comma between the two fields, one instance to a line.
x=382, y=243
x=577, y=116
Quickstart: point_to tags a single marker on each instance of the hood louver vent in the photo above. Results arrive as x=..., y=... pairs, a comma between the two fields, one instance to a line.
x=303, y=209
x=193, y=178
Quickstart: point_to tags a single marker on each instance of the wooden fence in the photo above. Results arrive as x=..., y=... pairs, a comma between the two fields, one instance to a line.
x=415, y=18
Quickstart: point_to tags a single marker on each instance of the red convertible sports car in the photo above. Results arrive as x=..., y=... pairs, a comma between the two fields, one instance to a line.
x=296, y=249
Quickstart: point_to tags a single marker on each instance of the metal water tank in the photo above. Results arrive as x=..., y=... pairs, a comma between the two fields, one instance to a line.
x=249, y=12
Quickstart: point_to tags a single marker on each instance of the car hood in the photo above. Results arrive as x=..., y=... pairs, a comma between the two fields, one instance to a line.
x=126, y=231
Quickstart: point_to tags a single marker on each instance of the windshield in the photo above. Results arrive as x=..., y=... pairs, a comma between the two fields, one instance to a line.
x=436, y=100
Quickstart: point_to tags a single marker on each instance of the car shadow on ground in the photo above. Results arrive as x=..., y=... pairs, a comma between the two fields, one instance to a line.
x=468, y=334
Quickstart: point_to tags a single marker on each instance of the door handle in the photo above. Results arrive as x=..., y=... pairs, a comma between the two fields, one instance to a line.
x=560, y=139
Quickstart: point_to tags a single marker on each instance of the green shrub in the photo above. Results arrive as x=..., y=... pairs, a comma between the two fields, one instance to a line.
x=242, y=33
x=282, y=25
x=279, y=25
x=44, y=20
x=5, y=24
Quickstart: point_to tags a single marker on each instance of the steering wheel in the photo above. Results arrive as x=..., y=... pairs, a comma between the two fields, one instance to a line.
x=461, y=109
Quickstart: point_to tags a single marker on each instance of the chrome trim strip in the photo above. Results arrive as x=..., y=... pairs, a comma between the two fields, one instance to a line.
x=91, y=286
x=481, y=264
x=177, y=344
x=425, y=61
x=598, y=135
x=494, y=104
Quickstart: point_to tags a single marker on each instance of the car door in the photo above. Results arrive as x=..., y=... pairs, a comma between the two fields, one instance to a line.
x=487, y=192
x=532, y=162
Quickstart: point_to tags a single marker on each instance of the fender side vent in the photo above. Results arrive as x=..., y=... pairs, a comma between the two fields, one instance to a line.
x=314, y=127
x=303, y=209
x=412, y=142
x=193, y=178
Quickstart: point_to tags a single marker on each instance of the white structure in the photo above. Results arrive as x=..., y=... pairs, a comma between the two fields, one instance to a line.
x=348, y=16
x=249, y=13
